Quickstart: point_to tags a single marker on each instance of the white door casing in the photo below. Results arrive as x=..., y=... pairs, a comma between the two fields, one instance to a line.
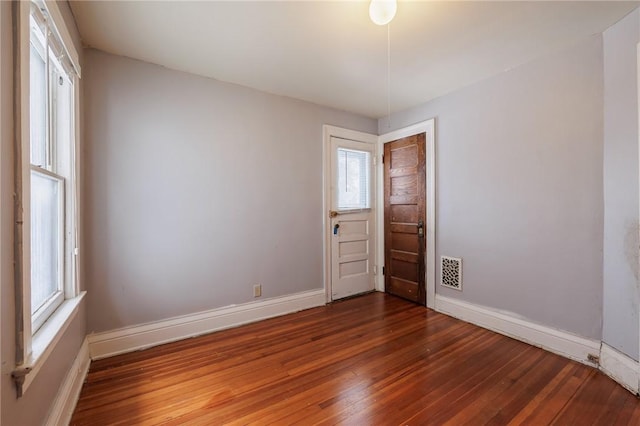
x=349, y=249
x=427, y=127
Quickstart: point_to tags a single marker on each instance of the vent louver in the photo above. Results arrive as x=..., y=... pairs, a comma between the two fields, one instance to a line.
x=451, y=272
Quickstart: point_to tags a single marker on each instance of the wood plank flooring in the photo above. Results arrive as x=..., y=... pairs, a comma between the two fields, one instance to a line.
x=371, y=360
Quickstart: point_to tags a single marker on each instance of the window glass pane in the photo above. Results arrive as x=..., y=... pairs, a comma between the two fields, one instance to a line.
x=353, y=179
x=62, y=123
x=45, y=238
x=38, y=108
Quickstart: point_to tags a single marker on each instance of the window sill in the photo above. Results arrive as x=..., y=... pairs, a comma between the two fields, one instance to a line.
x=356, y=210
x=44, y=341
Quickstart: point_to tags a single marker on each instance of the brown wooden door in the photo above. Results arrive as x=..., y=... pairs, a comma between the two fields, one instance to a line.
x=404, y=217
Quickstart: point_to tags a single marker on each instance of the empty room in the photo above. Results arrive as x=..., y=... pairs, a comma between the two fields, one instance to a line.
x=319, y=212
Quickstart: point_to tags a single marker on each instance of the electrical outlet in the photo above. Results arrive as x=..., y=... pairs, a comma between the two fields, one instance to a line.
x=257, y=290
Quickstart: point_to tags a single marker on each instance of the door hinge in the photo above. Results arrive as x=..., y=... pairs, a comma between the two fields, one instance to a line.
x=382, y=158
x=383, y=270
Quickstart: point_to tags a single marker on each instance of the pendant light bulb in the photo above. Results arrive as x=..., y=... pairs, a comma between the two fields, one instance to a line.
x=382, y=12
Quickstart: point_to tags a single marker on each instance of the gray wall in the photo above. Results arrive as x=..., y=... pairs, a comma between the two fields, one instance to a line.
x=621, y=280
x=34, y=406
x=519, y=188
x=195, y=191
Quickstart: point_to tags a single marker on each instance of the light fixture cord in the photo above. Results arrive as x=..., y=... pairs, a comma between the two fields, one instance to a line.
x=389, y=75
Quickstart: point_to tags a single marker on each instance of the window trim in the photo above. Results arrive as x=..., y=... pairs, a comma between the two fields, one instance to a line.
x=33, y=349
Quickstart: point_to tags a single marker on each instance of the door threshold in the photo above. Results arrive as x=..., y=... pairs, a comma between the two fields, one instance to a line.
x=353, y=296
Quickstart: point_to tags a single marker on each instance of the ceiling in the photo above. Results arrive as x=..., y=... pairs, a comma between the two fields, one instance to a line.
x=330, y=53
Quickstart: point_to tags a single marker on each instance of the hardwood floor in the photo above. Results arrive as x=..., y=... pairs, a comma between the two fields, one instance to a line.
x=372, y=360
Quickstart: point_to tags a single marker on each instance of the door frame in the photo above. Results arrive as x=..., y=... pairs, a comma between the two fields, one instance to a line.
x=328, y=132
x=638, y=94
x=427, y=127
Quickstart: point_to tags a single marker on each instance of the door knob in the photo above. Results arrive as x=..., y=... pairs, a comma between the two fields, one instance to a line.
x=420, y=229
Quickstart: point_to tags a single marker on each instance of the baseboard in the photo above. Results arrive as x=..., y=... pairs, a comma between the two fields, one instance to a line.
x=102, y=345
x=620, y=368
x=557, y=341
x=69, y=392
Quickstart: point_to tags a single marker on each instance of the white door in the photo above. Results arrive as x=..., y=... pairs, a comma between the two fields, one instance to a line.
x=352, y=217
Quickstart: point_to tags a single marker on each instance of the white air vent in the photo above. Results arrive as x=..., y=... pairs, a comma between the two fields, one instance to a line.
x=451, y=272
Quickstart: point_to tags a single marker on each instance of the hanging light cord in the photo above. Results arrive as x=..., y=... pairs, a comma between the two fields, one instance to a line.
x=389, y=75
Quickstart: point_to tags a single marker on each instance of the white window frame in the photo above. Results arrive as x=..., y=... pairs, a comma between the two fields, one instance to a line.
x=65, y=279
x=44, y=312
x=36, y=340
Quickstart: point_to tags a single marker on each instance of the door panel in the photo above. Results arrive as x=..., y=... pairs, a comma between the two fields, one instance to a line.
x=401, y=243
x=351, y=223
x=405, y=256
x=405, y=270
x=404, y=214
x=402, y=288
x=403, y=185
x=403, y=156
x=352, y=247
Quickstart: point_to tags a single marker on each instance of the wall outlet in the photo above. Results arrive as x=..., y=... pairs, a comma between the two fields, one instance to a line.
x=257, y=290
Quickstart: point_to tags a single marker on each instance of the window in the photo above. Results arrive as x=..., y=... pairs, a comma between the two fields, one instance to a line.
x=50, y=143
x=353, y=179
x=47, y=296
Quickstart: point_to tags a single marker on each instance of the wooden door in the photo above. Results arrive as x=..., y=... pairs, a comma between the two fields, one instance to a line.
x=351, y=217
x=404, y=217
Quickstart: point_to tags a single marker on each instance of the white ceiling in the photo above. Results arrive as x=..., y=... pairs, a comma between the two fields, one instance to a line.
x=330, y=53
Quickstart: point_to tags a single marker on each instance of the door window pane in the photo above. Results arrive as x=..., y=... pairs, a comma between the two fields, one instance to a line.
x=353, y=179
x=45, y=238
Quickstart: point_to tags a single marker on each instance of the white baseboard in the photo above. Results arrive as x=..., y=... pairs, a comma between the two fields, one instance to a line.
x=620, y=368
x=69, y=392
x=102, y=345
x=557, y=341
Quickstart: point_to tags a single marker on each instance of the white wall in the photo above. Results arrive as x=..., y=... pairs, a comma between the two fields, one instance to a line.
x=34, y=406
x=621, y=296
x=519, y=188
x=195, y=191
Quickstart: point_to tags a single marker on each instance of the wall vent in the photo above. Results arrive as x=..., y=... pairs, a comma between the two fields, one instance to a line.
x=451, y=268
